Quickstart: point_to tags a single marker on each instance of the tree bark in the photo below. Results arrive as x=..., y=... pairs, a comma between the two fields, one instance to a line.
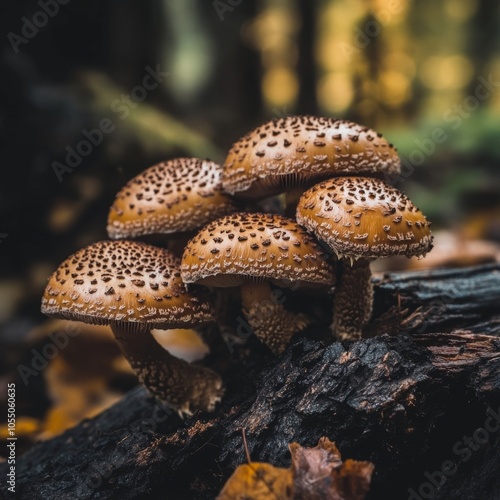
x=407, y=400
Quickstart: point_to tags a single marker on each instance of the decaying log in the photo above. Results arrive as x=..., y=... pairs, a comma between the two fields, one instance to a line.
x=406, y=400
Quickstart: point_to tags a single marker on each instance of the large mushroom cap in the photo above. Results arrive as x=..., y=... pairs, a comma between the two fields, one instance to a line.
x=364, y=217
x=301, y=150
x=248, y=247
x=170, y=197
x=126, y=283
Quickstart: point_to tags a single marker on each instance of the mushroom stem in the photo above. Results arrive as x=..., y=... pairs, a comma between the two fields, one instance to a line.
x=292, y=198
x=271, y=322
x=260, y=292
x=184, y=387
x=353, y=300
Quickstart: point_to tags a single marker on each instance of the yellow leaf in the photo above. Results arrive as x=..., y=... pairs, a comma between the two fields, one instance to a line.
x=258, y=481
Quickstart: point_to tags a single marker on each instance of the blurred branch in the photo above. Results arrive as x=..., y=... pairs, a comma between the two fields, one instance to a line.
x=151, y=129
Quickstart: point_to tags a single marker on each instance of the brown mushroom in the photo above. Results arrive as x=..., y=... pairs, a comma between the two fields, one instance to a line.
x=360, y=219
x=299, y=151
x=134, y=287
x=176, y=196
x=172, y=198
x=252, y=250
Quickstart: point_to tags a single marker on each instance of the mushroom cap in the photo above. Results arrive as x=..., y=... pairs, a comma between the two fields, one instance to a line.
x=301, y=150
x=364, y=217
x=132, y=284
x=171, y=197
x=250, y=247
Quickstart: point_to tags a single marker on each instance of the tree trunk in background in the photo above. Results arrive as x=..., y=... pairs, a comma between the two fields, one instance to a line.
x=483, y=40
x=235, y=86
x=307, y=103
x=372, y=56
x=129, y=41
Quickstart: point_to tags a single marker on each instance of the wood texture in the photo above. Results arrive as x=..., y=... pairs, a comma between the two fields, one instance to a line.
x=402, y=400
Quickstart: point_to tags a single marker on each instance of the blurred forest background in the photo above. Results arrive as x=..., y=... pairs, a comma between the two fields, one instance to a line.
x=425, y=73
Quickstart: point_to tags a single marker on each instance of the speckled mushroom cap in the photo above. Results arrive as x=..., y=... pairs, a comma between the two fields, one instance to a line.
x=124, y=282
x=170, y=197
x=364, y=217
x=302, y=150
x=249, y=247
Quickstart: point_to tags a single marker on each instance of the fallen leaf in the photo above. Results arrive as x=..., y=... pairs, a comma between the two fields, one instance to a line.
x=315, y=474
x=353, y=479
x=258, y=481
x=320, y=474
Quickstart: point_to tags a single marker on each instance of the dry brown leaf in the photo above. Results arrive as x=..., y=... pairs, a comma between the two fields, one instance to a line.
x=316, y=474
x=320, y=474
x=258, y=481
x=353, y=479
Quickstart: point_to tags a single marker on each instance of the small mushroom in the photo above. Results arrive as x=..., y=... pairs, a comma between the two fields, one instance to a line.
x=135, y=287
x=361, y=219
x=171, y=197
x=298, y=151
x=252, y=250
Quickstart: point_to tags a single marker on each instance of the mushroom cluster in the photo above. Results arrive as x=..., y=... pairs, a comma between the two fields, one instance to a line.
x=345, y=217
